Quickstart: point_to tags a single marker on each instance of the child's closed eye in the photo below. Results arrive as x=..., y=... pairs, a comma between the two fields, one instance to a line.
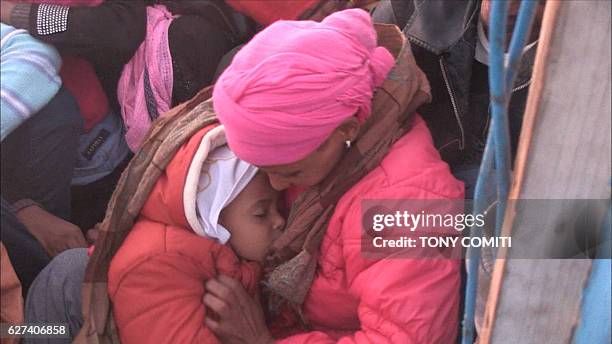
x=261, y=213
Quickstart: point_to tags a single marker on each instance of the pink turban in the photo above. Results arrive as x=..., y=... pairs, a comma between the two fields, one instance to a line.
x=295, y=82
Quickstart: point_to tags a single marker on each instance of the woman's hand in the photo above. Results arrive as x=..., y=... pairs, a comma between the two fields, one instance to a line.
x=240, y=318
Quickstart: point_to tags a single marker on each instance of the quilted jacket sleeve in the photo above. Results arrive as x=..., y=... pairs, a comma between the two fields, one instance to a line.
x=159, y=301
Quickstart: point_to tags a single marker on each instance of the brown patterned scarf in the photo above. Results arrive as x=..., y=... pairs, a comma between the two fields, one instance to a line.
x=166, y=136
x=292, y=261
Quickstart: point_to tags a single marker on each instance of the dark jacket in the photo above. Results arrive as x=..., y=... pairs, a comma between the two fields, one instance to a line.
x=109, y=34
x=443, y=36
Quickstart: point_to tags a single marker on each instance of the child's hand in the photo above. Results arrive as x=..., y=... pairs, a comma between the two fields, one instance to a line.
x=241, y=319
x=92, y=235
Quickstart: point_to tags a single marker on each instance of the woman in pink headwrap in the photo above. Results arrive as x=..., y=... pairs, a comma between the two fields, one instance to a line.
x=318, y=107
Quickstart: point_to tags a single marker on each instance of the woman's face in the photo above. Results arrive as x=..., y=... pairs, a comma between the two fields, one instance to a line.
x=311, y=170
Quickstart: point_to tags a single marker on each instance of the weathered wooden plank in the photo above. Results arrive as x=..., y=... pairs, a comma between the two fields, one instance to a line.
x=564, y=153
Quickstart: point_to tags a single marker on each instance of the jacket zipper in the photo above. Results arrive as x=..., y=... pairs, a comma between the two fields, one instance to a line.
x=454, y=104
x=450, y=93
x=520, y=87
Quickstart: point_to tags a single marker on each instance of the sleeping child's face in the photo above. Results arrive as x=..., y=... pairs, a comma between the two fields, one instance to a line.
x=253, y=219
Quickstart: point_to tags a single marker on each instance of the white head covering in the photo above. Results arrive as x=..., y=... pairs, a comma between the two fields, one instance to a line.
x=223, y=177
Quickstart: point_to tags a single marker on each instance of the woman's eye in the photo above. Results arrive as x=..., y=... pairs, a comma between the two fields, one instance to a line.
x=261, y=214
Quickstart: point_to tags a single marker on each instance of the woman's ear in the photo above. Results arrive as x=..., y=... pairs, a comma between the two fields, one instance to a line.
x=349, y=129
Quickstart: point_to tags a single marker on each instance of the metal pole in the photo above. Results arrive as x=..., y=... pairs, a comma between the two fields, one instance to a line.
x=497, y=148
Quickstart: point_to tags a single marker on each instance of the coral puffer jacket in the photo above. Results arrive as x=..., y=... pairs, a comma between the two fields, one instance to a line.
x=156, y=279
x=354, y=300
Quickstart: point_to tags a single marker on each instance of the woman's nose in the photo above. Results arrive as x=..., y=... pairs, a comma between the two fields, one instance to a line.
x=278, y=225
x=278, y=183
x=279, y=222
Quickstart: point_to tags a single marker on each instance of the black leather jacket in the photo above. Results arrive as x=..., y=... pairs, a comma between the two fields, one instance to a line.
x=443, y=36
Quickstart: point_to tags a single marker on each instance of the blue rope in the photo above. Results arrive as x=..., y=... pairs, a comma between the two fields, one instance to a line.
x=500, y=124
x=471, y=287
x=497, y=148
x=518, y=41
x=499, y=100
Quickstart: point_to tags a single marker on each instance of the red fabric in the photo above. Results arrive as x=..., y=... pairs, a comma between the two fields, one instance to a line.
x=156, y=279
x=354, y=300
x=79, y=77
x=267, y=12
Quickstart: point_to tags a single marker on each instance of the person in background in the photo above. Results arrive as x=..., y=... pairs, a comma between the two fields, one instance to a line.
x=450, y=44
x=25, y=62
x=178, y=57
x=40, y=125
x=122, y=40
x=449, y=40
x=266, y=12
x=78, y=75
x=95, y=39
x=106, y=35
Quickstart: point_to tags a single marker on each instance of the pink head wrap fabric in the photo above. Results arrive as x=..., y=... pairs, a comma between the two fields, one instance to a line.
x=295, y=82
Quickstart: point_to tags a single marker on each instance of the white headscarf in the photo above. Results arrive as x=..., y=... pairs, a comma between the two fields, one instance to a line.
x=223, y=177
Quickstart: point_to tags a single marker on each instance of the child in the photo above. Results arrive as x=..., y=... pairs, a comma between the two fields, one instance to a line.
x=236, y=202
x=209, y=214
